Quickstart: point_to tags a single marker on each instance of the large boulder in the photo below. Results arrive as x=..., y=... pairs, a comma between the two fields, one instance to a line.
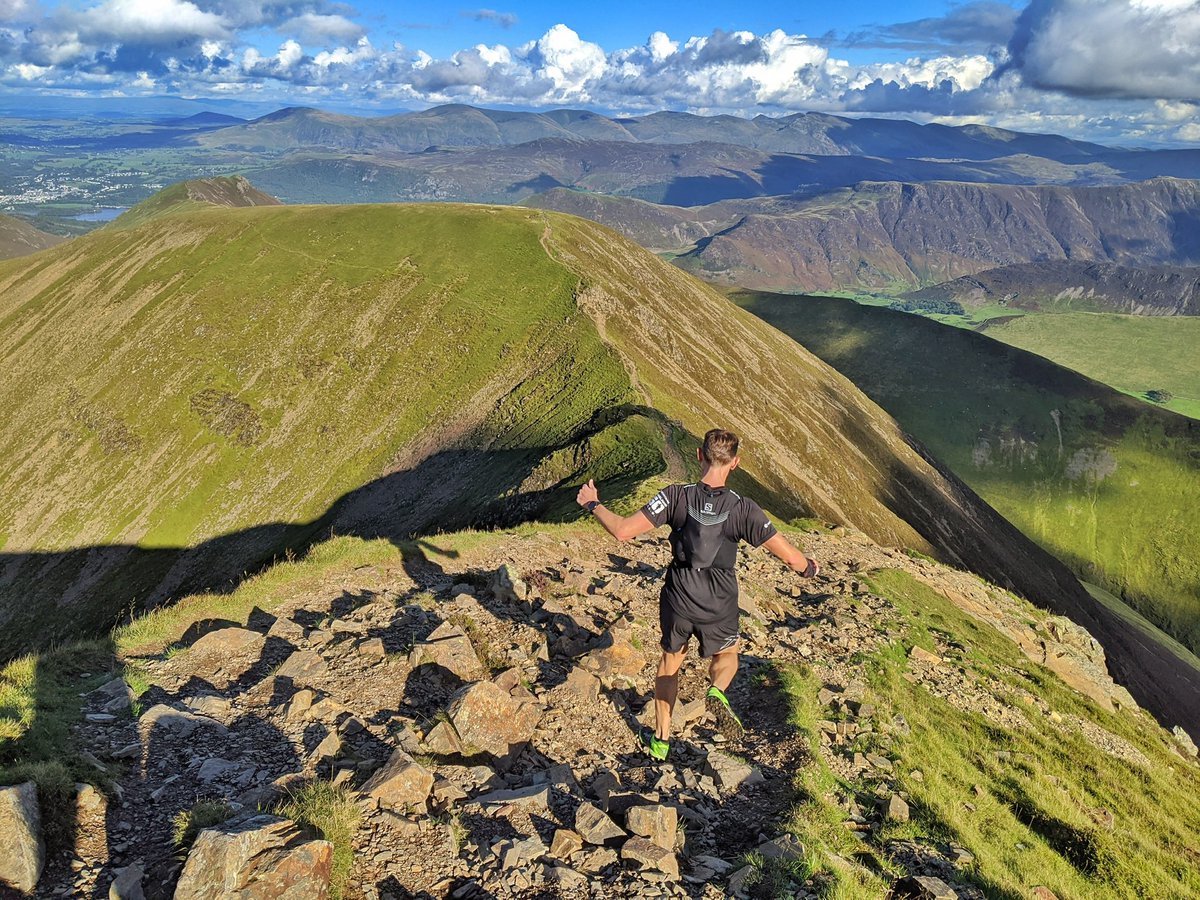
x=594, y=826
x=449, y=648
x=260, y=858
x=656, y=822
x=489, y=720
x=616, y=662
x=24, y=854
x=401, y=783
x=225, y=655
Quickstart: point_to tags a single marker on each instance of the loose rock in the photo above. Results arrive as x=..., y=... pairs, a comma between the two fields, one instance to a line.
x=24, y=856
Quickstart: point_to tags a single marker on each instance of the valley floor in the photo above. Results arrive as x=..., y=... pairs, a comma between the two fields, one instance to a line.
x=903, y=725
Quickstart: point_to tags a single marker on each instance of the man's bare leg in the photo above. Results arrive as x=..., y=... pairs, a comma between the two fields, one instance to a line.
x=666, y=690
x=723, y=667
x=721, y=670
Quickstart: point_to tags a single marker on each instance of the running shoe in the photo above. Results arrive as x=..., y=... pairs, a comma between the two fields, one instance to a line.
x=657, y=749
x=727, y=721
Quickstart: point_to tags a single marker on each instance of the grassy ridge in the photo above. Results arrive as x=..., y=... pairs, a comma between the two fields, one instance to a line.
x=1119, y=501
x=254, y=366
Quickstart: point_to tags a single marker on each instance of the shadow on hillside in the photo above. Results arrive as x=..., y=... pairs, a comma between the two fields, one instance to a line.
x=49, y=596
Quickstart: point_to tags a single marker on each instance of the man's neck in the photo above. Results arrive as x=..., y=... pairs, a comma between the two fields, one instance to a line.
x=714, y=477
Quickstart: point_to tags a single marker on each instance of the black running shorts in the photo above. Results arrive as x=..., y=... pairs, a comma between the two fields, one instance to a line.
x=714, y=637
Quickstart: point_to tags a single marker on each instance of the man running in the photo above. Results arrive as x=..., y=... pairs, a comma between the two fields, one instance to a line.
x=700, y=595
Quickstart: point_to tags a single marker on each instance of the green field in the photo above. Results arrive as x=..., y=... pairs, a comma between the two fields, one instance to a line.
x=1109, y=484
x=1134, y=354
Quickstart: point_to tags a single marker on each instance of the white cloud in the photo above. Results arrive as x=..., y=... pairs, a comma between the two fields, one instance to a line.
x=289, y=54
x=346, y=56
x=569, y=62
x=1111, y=48
x=14, y=9
x=967, y=72
x=151, y=20
x=318, y=28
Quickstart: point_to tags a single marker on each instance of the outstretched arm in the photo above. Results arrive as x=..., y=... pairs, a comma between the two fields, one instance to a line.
x=791, y=557
x=623, y=528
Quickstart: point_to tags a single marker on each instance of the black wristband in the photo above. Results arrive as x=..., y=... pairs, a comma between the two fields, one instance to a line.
x=591, y=505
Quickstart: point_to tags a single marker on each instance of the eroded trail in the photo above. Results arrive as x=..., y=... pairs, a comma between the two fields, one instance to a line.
x=479, y=698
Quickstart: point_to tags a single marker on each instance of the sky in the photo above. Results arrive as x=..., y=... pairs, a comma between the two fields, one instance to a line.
x=1117, y=71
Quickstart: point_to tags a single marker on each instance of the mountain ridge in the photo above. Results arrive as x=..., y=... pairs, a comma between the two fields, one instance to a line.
x=460, y=125
x=1075, y=285
x=892, y=236
x=253, y=387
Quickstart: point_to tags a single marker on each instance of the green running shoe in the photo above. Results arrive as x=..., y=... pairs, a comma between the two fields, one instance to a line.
x=727, y=721
x=657, y=749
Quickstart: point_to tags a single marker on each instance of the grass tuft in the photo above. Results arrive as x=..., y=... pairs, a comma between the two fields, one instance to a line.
x=331, y=811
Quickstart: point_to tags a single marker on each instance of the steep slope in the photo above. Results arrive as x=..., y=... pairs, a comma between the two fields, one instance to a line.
x=1106, y=482
x=1073, y=285
x=212, y=386
x=917, y=234
x=19, y=238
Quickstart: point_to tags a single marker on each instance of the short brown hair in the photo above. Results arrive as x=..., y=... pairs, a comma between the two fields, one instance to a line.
x=720, y=447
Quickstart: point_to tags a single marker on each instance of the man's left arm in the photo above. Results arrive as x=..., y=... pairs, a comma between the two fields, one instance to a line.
x=623, y=528
x=759, y=531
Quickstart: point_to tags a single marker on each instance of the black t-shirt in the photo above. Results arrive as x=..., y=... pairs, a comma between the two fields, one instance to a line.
x=706, y=525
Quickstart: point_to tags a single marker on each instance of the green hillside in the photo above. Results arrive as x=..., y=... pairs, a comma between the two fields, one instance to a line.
x=1135, y=354
x=200, y=388
x=1107, y=483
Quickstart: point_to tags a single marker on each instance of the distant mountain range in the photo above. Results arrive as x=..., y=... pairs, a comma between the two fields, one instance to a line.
x=889, y=236
x=458, y=126
x=1062, y=285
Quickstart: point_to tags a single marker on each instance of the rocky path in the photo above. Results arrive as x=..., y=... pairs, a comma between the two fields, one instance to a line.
x=483, y=709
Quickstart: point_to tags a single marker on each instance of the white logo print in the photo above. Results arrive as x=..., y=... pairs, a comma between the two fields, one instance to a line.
x=658, y=504
x=708, y=507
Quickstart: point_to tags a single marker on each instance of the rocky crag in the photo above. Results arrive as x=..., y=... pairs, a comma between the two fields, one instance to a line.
x=474, y=702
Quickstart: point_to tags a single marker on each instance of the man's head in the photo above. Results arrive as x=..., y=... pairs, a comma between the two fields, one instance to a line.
x=720, y=449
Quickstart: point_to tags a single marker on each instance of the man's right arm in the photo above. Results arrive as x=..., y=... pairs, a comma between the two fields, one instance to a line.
x=623, y=528
x=791, y=557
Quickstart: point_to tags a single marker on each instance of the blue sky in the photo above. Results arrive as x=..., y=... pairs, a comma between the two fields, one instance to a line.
x=1124, y=71
x=624, y=24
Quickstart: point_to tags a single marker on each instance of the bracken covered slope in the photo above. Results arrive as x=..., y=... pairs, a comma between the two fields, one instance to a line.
x=201, y=388
x=19, y=238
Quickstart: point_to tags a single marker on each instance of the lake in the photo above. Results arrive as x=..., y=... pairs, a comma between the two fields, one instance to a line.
x=107, y=214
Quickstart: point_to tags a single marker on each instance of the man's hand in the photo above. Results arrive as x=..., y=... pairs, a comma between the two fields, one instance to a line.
x=587, y=493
